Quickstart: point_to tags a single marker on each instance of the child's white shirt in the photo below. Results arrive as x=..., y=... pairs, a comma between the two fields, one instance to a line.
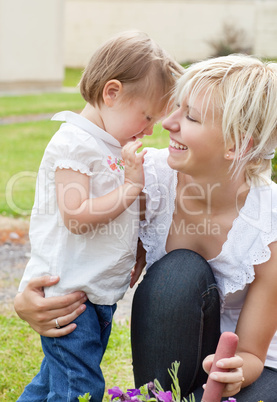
x=99, y=262
x=247, y=243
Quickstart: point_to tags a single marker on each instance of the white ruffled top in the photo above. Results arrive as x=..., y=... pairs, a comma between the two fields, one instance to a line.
x=246, y=245
x=99, y=262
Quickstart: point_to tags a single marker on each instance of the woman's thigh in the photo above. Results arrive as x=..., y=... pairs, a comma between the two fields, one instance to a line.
x=264, y=389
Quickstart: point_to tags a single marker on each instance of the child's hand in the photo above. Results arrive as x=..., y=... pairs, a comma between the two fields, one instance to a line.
x=134, y=173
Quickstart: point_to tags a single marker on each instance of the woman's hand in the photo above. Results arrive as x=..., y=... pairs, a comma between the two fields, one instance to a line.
x=41, y=313
x=233, y=378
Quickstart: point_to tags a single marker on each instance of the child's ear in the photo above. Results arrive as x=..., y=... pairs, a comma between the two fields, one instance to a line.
x=112, y=90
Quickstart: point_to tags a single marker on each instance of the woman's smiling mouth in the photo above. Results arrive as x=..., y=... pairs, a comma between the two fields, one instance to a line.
x=177, y=145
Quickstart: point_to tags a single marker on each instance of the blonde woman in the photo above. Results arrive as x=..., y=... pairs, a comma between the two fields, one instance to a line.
x=210, y=232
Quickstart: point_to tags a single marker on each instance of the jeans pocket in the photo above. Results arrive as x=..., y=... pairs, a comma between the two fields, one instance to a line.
x=105, y=314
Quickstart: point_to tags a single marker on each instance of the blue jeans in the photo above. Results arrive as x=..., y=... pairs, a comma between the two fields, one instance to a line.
x=71, y=366
x=176, y=317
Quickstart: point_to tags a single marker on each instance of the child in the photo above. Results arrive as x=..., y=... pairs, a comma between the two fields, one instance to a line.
x=84, y=222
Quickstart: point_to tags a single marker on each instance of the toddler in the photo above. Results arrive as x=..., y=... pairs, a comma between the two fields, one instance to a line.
x=84, y=223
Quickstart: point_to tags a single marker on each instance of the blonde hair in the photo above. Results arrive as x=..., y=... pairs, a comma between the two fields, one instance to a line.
x=244, y=91
x=132, y=58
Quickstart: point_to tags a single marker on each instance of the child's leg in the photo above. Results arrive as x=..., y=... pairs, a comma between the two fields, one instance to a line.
x=38, y=389
x=74, y=360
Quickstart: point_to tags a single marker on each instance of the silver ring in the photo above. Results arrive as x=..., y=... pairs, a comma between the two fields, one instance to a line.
x=57, y=324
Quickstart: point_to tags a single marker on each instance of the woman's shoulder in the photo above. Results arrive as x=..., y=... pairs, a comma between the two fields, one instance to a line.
x=156, y=167
x=155, y=154
x=263, y=197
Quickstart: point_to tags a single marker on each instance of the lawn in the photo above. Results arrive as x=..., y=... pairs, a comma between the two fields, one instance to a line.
x=21, y=355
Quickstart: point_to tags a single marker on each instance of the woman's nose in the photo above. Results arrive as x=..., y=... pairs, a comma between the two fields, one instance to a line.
x=171, y=123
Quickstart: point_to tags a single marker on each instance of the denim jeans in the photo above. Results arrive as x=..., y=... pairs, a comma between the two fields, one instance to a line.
x=176, y=317
x=71, y=366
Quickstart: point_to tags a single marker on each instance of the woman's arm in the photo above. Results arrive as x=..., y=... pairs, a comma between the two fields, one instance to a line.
x=256, y=326
x=258, y=320
x=81, y=213
x=41, y=313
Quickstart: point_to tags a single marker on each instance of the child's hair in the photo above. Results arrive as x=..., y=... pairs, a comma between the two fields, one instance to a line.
x=244, y=91
x=130, y=57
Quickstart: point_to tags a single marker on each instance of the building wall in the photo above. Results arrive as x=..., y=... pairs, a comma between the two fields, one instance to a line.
x=31, y=44
x=266, y=28
x=38, y=38
x=183, y=27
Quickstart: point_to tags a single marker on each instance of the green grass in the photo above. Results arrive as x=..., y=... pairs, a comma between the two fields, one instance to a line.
x=39, y=103
x=21, y=355
x=72, y=77
x=22, y=146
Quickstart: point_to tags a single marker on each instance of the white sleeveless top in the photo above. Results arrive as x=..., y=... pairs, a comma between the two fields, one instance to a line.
x=246, y=245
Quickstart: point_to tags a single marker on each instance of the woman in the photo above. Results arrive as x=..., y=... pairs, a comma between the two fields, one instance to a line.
x=211, y=193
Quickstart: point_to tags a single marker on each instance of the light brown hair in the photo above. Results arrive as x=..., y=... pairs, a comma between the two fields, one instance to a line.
x=135, y=60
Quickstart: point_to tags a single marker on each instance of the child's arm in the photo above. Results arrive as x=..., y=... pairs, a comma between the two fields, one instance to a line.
x=81, y=213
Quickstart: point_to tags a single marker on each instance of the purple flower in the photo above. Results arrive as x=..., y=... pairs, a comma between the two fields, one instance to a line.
x=151, y=386
x=117, y=393
x=231, y=400
x=164, y=396
x=133, y=392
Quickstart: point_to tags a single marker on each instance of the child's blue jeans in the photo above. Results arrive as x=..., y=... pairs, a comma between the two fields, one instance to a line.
x=71, y=366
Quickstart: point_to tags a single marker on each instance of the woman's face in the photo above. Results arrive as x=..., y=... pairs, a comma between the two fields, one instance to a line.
x=196, y=141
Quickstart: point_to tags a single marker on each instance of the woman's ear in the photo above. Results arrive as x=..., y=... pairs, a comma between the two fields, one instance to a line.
x=112, y=90
x=231, y=151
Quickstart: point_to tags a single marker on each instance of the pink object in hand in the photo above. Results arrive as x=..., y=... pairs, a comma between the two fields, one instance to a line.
x=226, y=347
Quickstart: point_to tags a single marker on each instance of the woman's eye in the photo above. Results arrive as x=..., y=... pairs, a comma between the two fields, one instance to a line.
x=190, y=118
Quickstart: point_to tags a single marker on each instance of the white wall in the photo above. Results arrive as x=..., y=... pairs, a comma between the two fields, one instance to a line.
x=31, y=44
x=266, y=29
x=39, y=37
x=183, y=27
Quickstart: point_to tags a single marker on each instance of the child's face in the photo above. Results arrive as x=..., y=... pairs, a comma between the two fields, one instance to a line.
x=130, y=120
x=196, y=143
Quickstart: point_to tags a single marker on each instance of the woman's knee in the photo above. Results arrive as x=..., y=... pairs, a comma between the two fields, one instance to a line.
x=180, y=268
x=178, y=282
